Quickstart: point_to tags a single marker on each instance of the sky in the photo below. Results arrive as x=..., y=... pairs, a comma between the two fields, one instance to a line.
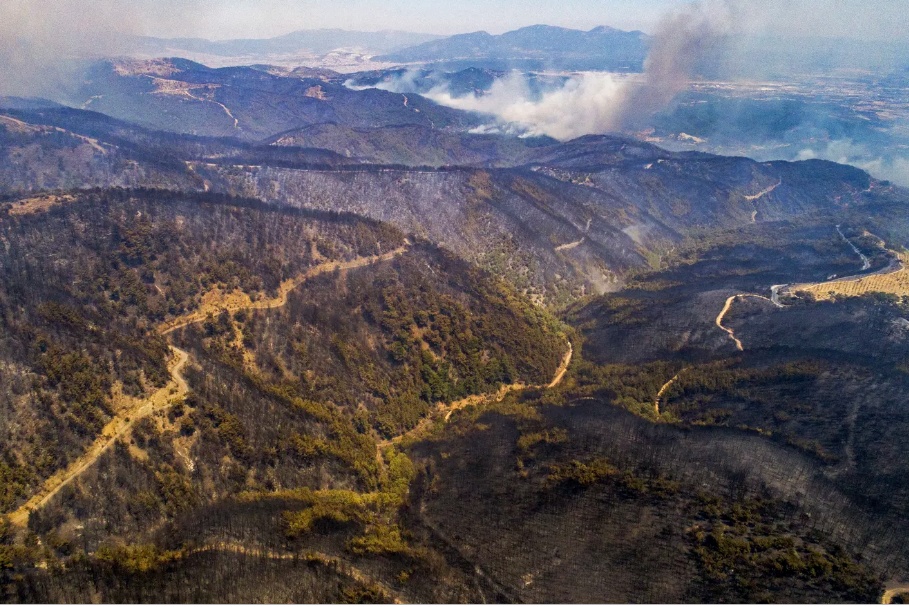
x=225, y=19
x=222, y=19
x=37, y=37
x=262, y=18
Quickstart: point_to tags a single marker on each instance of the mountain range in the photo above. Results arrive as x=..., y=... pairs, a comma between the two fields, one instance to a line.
x=265, y=337
x=244, y=102
x=534, y=47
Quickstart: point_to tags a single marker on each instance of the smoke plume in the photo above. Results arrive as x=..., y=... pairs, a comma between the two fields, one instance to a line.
x=43, y=43
x=586, y=103
x=41, y=39
x=683, y=42
x=598, y=102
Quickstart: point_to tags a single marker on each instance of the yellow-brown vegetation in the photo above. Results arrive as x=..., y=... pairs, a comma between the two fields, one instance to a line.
x=39, y=204
x=896, y=283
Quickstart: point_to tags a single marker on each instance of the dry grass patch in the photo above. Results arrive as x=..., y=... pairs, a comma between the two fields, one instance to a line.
x=39, y=204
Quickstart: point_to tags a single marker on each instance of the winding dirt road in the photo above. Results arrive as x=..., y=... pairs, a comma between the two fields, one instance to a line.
x=894, y=266
x=764, y=192
x=666, y=386
x=576, y=243
x=177, y=389
x=754, y=197
x=719, y=322
x=563, y=367
x=445, y=410
x=243, y=302
x=124, y=420
x=891, y=593
x=866, y=263
x=570, y=245
x=503, y=391
x=856, y=283
x=121, y=423
x=728, y=305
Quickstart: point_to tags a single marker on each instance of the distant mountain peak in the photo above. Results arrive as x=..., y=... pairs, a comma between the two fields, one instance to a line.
x=541, y=27
x=602, y=47
x=482, y=34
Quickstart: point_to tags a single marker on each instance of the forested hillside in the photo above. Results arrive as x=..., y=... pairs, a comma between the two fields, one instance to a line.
x=266, y=337
x=557, y=220
x=86, y=282
x=83, y=335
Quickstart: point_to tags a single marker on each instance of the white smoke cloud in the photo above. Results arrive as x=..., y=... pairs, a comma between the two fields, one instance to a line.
x=43, y=43
x=587, y=103
x=405, y=82
x=597, y=102
x=515, y=109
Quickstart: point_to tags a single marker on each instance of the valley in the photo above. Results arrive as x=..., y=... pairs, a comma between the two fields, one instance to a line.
x=234, y=352
x=271, y=332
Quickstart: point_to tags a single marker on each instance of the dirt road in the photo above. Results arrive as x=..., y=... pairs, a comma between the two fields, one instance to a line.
x=719, y=322
x=445, y=410
x=236, y=302
x=666, y=386
x=891, y=593
x=122, y=422
x=728, y=305
x=866, y=263
x=764, y=192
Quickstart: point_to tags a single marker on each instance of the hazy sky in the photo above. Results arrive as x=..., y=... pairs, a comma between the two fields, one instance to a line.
x=254, y=18
x=38, y=36
x=219, y=19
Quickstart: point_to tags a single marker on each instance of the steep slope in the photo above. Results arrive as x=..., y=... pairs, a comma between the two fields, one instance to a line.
x=471, y=80
x=619, y=204
x=331, y=389
x=335, y=329
x=570, y=219
x=768, y=474
x=36, y=157
x=79, y=338
x=414, y=145
x=144, y=146
x=820, y=378
x=586, y=503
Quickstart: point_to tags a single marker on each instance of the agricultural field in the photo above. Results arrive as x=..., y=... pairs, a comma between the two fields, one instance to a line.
x=895, y=282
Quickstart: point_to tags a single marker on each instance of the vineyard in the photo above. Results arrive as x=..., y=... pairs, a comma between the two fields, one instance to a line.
x=896, y=282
